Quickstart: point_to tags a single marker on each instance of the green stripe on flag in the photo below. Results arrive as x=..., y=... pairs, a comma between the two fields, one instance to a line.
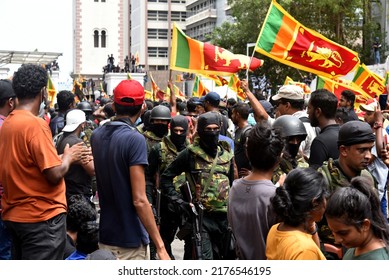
x=358, y=73
x=271, y=29
x=183, y=51
x=320, y=82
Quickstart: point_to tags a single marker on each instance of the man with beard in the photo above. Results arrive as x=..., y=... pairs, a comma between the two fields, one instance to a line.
x=356, y=139
x=161, y=155
x=209, y=164
x=321, y=111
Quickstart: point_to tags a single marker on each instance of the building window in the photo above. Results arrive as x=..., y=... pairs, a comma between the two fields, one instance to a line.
x=157, y=15
x=157, y=52
x=157, y=33
x=103, y=39
x=96, y=38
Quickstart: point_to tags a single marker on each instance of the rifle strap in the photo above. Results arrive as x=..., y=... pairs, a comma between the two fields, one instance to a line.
x=208, y=181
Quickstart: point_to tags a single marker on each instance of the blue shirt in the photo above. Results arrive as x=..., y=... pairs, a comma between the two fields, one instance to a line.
x=116, y=146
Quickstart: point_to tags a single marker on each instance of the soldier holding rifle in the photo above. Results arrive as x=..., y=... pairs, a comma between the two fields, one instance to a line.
x=208, y=165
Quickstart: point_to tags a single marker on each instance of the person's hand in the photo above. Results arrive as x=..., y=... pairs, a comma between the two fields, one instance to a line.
x=162, y=254
x=280, y=182
x=244, y=85
x=76, y=153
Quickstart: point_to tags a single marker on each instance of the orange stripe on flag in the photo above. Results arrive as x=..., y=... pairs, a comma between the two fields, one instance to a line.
x=196, y=49
x=284, y=37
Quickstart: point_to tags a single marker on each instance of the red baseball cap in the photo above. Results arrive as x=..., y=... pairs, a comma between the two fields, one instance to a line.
x=129, y=93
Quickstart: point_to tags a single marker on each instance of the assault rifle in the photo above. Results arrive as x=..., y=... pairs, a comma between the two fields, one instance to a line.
x=197, y=211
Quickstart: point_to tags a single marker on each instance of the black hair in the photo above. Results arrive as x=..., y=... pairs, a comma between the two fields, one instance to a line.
x=108, y=110
x=65, y=99
x=296, y=104
x=243, y=109
x=149, y=104
x=264, y=146
x=294, y=200
x=342, y=114
x=231, y=101
x=191, y=105
x=80, y=210
x=326, y=101
x=349, y=95
x=88, y=237
x=127, y=110
x=29, y=80
x=357, y=202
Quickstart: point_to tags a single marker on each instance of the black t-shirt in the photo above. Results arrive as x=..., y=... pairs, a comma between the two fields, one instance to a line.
x=241, y=159
x=77, y=179
x=324, y=146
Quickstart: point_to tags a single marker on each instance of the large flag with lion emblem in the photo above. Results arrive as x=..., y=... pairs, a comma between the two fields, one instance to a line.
x=284, y=39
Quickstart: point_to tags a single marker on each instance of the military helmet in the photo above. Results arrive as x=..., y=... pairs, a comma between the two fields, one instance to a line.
x=84, y=106
x=290, y=126
x=160, y=112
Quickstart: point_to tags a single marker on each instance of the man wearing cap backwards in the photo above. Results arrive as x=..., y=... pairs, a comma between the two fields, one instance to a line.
x=120, y=155
x=209, y=165
x=355, y=142
x=34, y=202
x=161, y=155
x=79, y=177
x=373, y=116
x=7, y=104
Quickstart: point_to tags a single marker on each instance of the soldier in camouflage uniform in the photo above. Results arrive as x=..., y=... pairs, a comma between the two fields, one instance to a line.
x=210, y=164
x=159, y=127
x=355, y=142
x=293, y=131
x=161, y=155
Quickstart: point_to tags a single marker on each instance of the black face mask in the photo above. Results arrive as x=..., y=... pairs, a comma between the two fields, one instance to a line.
x=209, y=141
x=178, y=140
x=293, y=149
x=159, y=129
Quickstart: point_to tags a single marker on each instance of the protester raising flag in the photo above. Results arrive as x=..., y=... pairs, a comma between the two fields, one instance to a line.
x=198, y=88
x=189, y=55
x=284, y=39
x=234, y=84
x=369, y=82
x=51, y=92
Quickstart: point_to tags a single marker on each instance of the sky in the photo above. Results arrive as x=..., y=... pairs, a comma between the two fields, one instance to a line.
x=46, y=25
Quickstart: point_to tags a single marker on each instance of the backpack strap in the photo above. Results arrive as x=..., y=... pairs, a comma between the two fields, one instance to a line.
x=243, y=137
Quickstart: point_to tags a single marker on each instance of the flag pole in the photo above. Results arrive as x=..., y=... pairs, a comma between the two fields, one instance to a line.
x=248, y=67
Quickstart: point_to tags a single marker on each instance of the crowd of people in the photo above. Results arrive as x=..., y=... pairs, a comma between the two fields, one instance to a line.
x=294, y=177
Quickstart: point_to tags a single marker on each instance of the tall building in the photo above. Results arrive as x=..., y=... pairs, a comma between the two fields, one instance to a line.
x=100, y=29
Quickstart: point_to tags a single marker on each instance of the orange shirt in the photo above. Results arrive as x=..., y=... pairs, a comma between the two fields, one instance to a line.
x=26, y=149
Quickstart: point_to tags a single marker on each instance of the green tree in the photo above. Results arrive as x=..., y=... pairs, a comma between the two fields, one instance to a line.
x=347, y=22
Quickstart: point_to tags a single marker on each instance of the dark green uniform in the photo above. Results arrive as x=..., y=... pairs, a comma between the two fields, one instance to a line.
x=213, y=195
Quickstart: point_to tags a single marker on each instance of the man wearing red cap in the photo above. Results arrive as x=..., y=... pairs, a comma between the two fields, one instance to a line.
x=120, y=156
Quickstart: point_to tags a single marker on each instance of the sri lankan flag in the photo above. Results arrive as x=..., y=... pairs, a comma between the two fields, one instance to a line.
x=337, y=86
x=284, y=39
x=189, y=55
x=157, y=92
x=234, y=84
x=304, y=86
x=52, y=93
x=198, y=88
x=369, y=82
x=219, y=80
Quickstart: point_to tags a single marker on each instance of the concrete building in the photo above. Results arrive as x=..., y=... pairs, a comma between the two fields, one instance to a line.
x=100, y=28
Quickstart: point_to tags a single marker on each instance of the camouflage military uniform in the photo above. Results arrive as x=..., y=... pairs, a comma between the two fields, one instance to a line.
x=90, y=126
x=286, y=166
x=336, y=179
x=161, y=155
x=214, y=196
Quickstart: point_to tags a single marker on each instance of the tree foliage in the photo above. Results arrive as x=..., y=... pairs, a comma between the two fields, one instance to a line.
x=347, y=22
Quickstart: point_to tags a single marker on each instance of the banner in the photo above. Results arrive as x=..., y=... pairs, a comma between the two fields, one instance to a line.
x=189, y=55
x=51, y=92
x=199, y=89
x=284, y=39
